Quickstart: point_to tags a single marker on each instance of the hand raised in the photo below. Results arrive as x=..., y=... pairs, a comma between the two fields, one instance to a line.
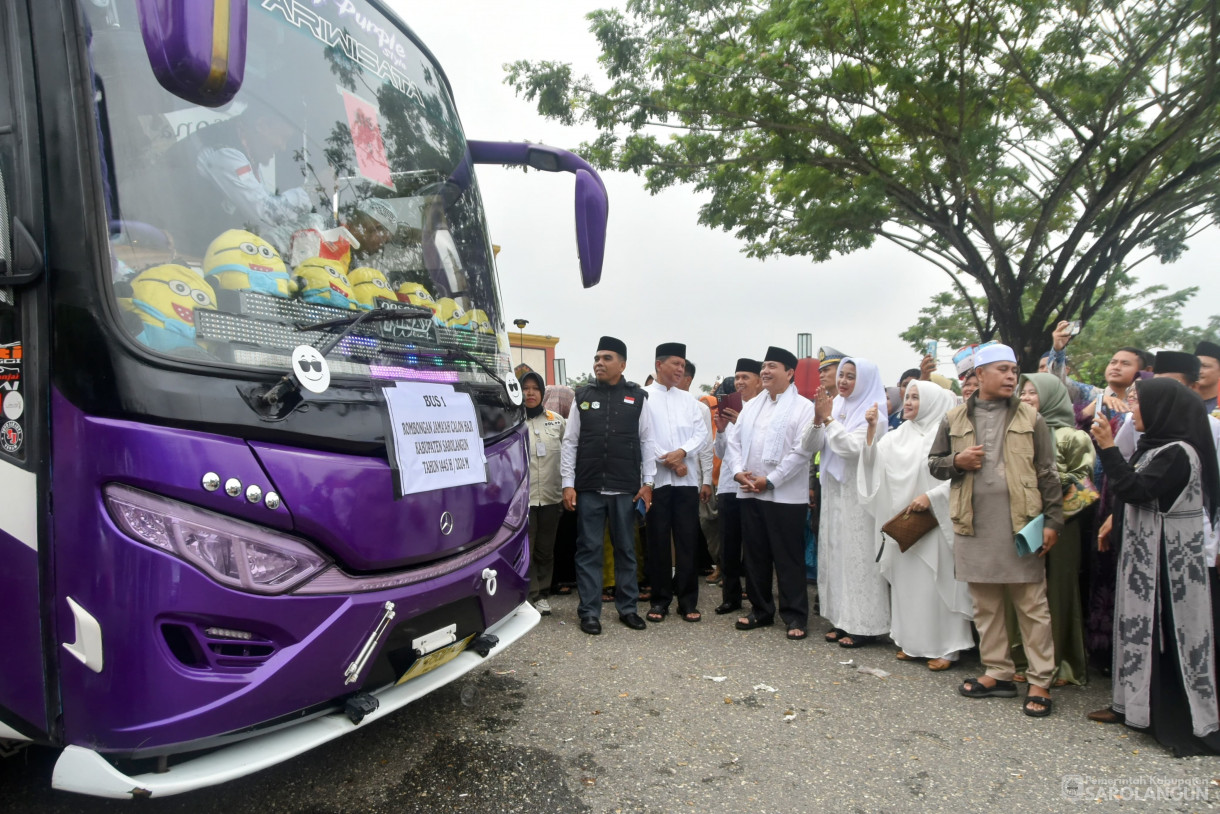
x=870, y=415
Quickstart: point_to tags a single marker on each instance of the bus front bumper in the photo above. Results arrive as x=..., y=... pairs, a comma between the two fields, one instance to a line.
x=86, y=772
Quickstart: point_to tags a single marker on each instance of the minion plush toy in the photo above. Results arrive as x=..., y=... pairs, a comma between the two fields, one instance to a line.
x=322, y=282
x=474, y=320
x=242, y=261
x=165, y=298
x=416, y=294
x=370, y=285
x=448, y=312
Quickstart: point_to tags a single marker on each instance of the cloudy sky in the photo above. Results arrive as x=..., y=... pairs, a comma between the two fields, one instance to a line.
x=666, y=278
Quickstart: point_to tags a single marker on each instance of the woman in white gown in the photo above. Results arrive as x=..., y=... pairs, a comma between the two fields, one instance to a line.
x=851, y=591
x=930, y=609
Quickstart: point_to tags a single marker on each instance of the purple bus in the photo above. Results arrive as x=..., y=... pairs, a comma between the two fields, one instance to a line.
x=261, y=442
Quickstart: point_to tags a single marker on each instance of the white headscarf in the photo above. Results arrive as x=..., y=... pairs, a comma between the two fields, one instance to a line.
x=906, y=454
x=850, y=411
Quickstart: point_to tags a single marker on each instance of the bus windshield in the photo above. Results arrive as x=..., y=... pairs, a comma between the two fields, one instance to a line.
x=336, y=182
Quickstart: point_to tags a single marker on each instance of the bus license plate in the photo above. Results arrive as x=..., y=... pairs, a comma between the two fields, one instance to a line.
x=435, y=659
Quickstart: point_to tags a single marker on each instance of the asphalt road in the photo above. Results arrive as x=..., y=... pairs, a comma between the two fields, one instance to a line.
x=700, y=718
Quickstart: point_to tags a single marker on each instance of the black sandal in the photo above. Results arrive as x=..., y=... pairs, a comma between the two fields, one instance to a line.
x=752, y=622
x=977, y=689
x=686, y=616
x=856, y=641
x=1042, y=706
x=657, y=614
x=834, y=634
x=794, y=635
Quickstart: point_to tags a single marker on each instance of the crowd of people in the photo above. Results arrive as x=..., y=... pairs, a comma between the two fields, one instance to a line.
x=1064, y=529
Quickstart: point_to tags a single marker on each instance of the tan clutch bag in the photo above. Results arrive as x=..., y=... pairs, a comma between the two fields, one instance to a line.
x=907, y=528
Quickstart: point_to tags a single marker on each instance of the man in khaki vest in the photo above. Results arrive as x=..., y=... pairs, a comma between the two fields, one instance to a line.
x=1000, y=456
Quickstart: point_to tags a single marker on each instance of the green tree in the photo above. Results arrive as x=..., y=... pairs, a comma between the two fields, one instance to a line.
x=1150, y=319
x=1020, y=145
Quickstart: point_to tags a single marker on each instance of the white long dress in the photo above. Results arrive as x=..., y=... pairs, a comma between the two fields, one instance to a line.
x=852, y=594
x=931, y=610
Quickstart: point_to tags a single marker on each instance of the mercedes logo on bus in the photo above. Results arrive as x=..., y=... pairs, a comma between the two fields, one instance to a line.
x=446, y=523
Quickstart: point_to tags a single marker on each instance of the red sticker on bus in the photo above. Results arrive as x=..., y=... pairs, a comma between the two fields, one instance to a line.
x=371, y=158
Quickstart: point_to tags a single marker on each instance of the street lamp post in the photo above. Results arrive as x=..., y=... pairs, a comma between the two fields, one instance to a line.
x=521, y=323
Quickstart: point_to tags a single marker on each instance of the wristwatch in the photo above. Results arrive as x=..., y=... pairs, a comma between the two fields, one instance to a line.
x=770, y=485
x=650, y=485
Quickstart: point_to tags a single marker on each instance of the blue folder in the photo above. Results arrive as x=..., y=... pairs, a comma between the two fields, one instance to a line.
x=1029, y=539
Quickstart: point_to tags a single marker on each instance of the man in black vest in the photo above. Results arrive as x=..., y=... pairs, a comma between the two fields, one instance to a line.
x=601, y=464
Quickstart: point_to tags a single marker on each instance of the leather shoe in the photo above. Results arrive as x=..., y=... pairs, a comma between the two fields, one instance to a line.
x=591, y=625
x=633, y=621
x=727, y=607
x=1105, y=716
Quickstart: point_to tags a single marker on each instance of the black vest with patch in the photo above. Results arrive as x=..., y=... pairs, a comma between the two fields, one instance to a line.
x=608, y=450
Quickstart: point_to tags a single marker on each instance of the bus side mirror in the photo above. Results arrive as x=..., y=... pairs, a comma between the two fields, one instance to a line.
x=592, y=203
x=592, y=213
x=197, y=49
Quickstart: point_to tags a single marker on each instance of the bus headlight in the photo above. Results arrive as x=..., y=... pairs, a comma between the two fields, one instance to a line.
x=234, y=553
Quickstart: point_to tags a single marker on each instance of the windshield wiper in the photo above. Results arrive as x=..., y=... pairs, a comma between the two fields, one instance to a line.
x=288, y=387
x=350, y=323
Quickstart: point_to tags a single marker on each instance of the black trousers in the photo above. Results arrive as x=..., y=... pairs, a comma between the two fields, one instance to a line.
x=776, y=539
x=732, y=569
x=674, y=514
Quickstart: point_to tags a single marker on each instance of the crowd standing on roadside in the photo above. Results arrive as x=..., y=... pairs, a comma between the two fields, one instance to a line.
x=1063, y=528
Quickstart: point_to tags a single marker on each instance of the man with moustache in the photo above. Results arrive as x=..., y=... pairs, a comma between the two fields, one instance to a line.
x=606, y=465
x=1000, y=457
x=679, y=434
x=732, y=568
x=771, y=468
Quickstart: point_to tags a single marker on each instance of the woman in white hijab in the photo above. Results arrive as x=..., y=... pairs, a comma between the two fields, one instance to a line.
x=930, y=609
x=851, y=591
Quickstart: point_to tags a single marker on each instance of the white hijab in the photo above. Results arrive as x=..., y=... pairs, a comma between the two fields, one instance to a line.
x=907, y=448
x=850, y=411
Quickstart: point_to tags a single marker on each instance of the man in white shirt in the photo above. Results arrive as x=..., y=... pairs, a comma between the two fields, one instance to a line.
x=678, y=435
x=772, y=469
x=606, y=468
x=748, y=385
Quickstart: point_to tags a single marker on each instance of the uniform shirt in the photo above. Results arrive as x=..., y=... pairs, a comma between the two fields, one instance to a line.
x=571, y=437
x=677, y=423
x=544, y=438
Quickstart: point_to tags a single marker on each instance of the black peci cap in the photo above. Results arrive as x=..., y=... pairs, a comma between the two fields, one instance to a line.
x=611, y=344
x=784, y=357
x=745, y=365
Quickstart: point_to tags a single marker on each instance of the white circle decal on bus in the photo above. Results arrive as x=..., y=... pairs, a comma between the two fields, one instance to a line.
x=514, y=391
x=310, y=368
x=14, y=405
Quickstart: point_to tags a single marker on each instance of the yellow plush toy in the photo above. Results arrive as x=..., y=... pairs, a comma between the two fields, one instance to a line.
x=323, y=282
x=416, y=294
x=165, y=298
x=449, y=312
x=473, y=320
x=370, y=285
x=242, y=261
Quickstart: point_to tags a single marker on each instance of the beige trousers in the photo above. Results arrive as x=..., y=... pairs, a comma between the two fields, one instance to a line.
x=1034, y=617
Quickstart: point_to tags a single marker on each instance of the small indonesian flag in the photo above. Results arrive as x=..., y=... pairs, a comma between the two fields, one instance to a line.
x=628, y=399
